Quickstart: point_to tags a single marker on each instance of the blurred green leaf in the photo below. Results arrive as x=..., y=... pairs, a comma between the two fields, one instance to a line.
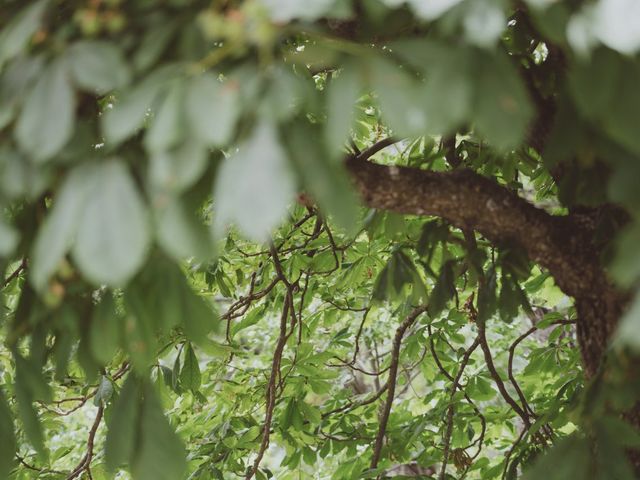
x=113, y=232
x=47, y=119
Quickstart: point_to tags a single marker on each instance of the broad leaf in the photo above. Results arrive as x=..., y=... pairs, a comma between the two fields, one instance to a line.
x=212, y=109
x=113, y=232
x=98, y=66
x=254, y=186
x=47, y=118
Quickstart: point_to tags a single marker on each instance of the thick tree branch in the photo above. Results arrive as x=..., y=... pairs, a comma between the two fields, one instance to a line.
x=472, y=202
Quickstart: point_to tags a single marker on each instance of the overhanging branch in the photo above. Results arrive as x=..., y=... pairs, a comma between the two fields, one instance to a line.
x=469, y=201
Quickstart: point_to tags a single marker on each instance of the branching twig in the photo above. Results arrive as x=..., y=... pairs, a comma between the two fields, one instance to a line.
x=451, y=409
x=391, y=382
x=85, y=463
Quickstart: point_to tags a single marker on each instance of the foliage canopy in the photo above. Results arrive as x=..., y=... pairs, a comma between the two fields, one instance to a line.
x=319, y=239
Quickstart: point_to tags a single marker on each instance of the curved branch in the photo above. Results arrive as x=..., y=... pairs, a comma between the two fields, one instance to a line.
x=391, y=382
x=470, y=201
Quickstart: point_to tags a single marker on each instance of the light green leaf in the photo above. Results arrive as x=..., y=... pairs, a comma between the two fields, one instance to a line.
x=287, y=10
x=16, y=35
x=167, y=125
x=98, y=66
x=59, y=228
x=154, y=42
x=180, y=233
x=447, y=93
x=8, y=239
x=398, y=94
x=104, y=392
x=177, y=169
x=113, y=231
x=432, y=9
x=213, y=109
x=47, y=119
x=190, y=373
x=484, y=22
x=125, y=117
x=326, y=180
x=160, y=454
x=254, y=186
x=342, y=93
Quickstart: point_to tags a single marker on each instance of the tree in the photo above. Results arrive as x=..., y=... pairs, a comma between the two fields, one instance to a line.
x=322, y=239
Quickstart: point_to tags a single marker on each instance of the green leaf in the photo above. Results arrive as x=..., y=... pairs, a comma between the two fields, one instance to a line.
x=283, y=11
x=620, y=117
x=397, y=93
x=59, y=228
x=123, y=425
x=502, y=107
x=167, y=125
x=508, y=300
x=8, y=443
x=160, y=453
x=29, y=418
x=47, y=119
x=286, y=419
x=342, y=93
x=9, y=238
x=198, y=317
x=190, y=373
x=628, y=332
x=565, y=460
x=180, y=233
x=254, y=186
x=104, y=392
x=177, y=169
x=98, y=66
x=113, y=231
x=154, y=42
x=594, y=82
x=326, y=181
x=141, y=326
x=127, y=114
x=16, y=35
x=487, y=299
x=105, y=331
x=212, y=109
x=443, y=291
x=31, y=379
x=251, y=318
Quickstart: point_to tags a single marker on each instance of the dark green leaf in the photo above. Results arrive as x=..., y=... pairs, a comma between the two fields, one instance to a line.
x=123, y=426
x=190, y=373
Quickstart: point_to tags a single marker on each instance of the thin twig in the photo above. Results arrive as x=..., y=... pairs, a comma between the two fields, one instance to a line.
x=391, y=382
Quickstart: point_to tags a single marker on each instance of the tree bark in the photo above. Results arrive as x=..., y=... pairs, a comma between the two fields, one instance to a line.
x=469, y=201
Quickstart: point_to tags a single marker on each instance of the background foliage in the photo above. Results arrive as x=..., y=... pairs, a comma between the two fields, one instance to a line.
x=194, y=289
